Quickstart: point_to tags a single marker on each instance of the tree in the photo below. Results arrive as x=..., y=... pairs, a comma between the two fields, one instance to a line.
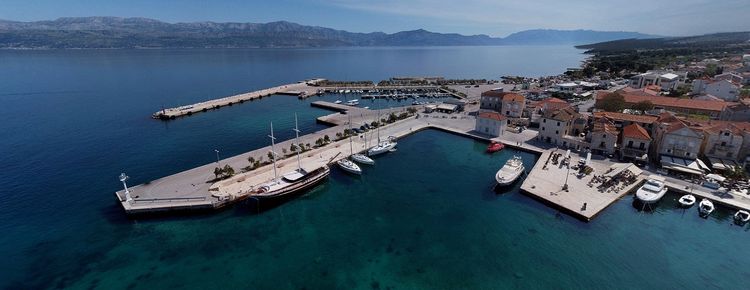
x=228, y=170
x=308, y=146
x=251, y=160
x=613, y=102
x=411, y=110
x=270, y=155
x=338, y=135
x=374, y=124
x=326, y=139
x=293, y=148
x=218, y=171
x=643, y=106
x=283, y=150
x=319, y=142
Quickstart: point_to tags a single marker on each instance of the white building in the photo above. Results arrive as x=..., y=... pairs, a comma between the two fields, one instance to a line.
x=666, y=80
x=722, y=89
x=491, y=123
x=556, y=124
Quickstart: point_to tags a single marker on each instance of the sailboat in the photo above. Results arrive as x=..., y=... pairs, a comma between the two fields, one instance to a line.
x=346, y=164
x=292, y=182
x=357, y=157
x=383, y=146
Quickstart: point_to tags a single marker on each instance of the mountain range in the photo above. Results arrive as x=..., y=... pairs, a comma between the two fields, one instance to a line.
x=117, y=32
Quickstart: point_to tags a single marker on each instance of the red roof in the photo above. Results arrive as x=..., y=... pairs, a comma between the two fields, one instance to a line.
x=646, y=119
x=667, y=102
x=492, y=115
x=511, y=97
x=635, y=131
x=494, y=93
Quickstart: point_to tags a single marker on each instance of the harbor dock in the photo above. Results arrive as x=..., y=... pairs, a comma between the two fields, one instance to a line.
x=299, y=88
x=582, y=199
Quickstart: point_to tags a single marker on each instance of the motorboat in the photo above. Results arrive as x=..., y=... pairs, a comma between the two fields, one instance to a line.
x=706, y=207
x=510, y=172
x=741, y=217
x=349, y=166
x=361, y=158
x=687, y=200
x=652, y=190
x=338, y=102
x=495, y=146
x=352, y=102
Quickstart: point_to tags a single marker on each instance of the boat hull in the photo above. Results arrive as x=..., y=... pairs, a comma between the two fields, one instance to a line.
x=362, y=159
x=648, y=197
x=313, y=179
x=349, y=167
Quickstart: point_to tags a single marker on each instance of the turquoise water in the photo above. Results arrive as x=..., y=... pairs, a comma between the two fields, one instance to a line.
x=426, y=216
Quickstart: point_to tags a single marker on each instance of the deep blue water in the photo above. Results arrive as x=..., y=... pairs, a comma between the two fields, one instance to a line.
x=71, y=121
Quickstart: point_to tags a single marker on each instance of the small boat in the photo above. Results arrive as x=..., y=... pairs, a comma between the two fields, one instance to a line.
x=495, y=146
x=349, y=166
x=510, y=172
x=687, y=200
x=706, y=207
x=361, y=158
x=338, y=102
x=741, y=217
x=652, y=191
x=352, y=102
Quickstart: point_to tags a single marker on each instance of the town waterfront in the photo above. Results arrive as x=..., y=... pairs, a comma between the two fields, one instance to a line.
x=423, y=217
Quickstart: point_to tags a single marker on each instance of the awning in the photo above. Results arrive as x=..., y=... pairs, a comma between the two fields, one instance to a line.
x=692, y=166
x=722, y=164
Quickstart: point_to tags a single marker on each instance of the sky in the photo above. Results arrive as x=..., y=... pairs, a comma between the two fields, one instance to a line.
x=492, y=17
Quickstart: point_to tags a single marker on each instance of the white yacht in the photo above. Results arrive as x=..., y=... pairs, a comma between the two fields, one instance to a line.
x=352, y=102
x=383, y=146
x=338, y=102
x=652, y=191
x=687, y=200
x=706, y=207
x=349, y=166
x=361, y=158
x=741, y=217
x=512, y=169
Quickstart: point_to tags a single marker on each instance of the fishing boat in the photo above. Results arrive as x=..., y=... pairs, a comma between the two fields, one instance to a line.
x=705, y=207
x=510, y=172
x=352, y=102
x=741, y=217
x=652, y=190
x=495, y=146
x=687, y=200
x=292, y=182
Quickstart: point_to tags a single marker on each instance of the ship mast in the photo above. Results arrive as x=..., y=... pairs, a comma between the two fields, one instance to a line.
x=273, y=153
x=351, y=147
x=296, y=132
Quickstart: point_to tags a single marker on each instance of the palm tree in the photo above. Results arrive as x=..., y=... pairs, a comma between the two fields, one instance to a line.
x=218, y=171
x=293, y=148
x=326, y=139
x=228, y=170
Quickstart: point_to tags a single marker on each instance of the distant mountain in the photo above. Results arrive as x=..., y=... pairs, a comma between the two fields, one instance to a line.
x=551, y=36
x=116, y=32
x=714, y=40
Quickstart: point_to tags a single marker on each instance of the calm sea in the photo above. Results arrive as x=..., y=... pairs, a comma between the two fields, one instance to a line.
x=423, y=217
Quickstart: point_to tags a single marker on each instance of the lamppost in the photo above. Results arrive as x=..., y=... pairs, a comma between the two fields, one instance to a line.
x=565, y=186
x=123, y=179
x=217, y=156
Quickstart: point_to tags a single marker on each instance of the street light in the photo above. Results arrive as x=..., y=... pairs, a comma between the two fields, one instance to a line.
x=123, y=179
x=217, y=155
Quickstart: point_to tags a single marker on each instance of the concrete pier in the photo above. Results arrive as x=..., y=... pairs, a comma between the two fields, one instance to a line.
x=302, y=87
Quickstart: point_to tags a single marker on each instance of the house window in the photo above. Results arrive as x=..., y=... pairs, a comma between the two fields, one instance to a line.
x=604, y=136
x=544, y=120
x=602, y=145
x=630, y=144
x=542, y=128
x=687, y=153
x=642, y=146
x=723, y=143
x=726, y=133
x=558, y=123
x=557, y=132
x=669, y=150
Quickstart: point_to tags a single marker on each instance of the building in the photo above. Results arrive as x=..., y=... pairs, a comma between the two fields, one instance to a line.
x=622, y=120
x=556, y=124
x=635, y=143
x=491, y=123
x=604, y=137
x=492, y=100
x=513, y=105
x=666, y=80
x=712, y=109
x=739, y=111
x=677, y=146
x=723, y=142
x=723, y=89
x=732, y=77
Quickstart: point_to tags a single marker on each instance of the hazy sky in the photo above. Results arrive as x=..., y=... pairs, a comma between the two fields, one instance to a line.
x=492, y=17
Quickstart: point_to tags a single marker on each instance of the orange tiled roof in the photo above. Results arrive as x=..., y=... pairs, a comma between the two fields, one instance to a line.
x=511, y=97
x=561, y=114
x=492, y=115
x=706, y=105
x=604, y=125
x=635, y=131
x=646, y=119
